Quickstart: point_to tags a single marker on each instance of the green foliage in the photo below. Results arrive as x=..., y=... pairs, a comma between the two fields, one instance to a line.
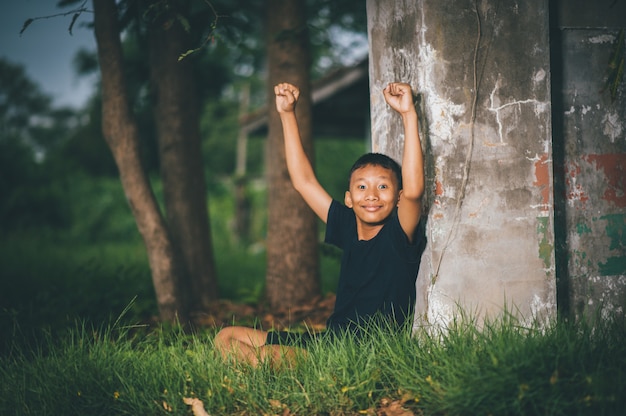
x=98, y=239
x=333, y=160
x=505, y=368
x=78, y=208
x=240, y=267
x=93, y=262
x=48, y=283
x=99, y=211
x=29, y=198
x=84, y=151
x=21, y=101
x=32, y=170
x=219, y=127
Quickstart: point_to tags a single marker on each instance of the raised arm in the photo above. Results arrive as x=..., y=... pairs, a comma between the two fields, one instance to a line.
x=300, y=170
x=400, y=98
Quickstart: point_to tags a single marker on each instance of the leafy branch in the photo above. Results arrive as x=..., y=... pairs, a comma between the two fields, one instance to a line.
x=209, y=38
x=75, y=15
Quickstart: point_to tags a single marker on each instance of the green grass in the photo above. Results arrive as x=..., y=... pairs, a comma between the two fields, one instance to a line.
x=503, y=369
x=52, y=284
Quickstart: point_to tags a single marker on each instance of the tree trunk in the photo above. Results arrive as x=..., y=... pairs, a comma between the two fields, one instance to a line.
x=292, y=241
x=178, y=132
x=120, y=131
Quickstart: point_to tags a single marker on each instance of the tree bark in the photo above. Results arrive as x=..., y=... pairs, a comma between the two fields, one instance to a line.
x=178, y=132
x=121, y=134
x=292, y=241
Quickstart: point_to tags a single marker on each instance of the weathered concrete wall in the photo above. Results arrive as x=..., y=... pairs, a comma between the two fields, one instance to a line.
x=591, y=14
x=490, y=218
x=590, y=142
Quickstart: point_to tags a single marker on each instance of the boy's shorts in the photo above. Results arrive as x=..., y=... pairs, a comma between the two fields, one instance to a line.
x=294, y=339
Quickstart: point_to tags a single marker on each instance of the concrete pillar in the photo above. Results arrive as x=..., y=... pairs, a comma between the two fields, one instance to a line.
x=590, y=146
x=481, y=70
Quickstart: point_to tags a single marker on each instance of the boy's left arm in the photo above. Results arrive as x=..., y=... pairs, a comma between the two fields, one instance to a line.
x=400, y=98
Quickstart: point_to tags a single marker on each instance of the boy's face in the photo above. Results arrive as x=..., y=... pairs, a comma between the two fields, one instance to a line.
x=373, y=194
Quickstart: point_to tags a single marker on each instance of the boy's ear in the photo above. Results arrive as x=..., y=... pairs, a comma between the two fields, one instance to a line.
x=399, y=195
x=347, y=199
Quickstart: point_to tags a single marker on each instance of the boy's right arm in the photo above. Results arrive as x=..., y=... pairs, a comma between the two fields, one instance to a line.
x=300, y=170
x=400, y=97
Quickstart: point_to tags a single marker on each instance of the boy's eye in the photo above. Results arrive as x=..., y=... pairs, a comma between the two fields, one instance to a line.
x=360, y=186
x=382, y=186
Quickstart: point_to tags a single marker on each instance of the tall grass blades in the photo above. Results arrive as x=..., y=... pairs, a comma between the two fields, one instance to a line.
x=499, y=368
x=507, y=368
x=47, y=285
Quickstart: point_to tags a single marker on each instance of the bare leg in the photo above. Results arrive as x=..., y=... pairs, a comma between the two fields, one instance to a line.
x=248, y=345
x=245, y=345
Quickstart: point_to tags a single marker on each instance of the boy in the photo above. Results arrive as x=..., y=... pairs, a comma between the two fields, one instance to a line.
x=376, y=229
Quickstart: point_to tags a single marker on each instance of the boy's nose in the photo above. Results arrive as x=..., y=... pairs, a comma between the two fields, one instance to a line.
x=372, y=195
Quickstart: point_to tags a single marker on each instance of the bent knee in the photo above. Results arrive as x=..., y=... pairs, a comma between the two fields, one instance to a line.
x=252, y=337
x=224, y=337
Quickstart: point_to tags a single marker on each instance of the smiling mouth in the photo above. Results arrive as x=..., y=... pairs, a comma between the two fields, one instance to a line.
x=371, y=208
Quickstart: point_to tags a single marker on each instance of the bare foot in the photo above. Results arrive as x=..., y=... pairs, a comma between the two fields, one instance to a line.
x=197, y=407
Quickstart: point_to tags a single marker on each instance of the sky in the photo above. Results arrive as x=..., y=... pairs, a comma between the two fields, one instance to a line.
x=46, y=49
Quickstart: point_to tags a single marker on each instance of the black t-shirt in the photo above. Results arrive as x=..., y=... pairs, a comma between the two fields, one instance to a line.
x=377, y=276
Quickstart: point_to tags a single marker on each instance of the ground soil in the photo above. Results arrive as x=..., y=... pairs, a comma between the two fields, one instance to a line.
x=312, y=315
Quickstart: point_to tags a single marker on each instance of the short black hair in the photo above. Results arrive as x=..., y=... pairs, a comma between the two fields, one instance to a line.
x=378, y=159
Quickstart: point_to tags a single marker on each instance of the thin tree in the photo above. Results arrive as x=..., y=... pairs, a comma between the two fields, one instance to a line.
x=177, y=118
x=292, y=240
x=121, y=134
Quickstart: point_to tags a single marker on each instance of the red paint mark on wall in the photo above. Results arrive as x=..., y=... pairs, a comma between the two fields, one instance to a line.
x=572, y=170
x=438, y=192
x=575, y=191
x=542, y=178
x=614, y=168
x=438, y=188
